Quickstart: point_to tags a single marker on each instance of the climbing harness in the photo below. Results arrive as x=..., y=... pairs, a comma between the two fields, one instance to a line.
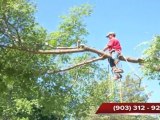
x=117, y=72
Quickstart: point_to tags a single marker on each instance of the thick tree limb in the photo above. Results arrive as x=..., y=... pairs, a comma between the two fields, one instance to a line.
x=77, y=65
x=130, y=59
x=82, y=48
x=90, y=61
x=122, y=58
x=57, y=51
x=54, y=51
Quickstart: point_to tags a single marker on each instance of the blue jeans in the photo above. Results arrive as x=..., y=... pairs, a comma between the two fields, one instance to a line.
x=114, y=57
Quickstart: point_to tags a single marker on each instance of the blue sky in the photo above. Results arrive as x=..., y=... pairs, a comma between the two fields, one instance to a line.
x=134, y=21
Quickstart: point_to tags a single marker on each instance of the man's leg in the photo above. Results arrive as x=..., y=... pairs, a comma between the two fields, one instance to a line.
x=115, y=58
x=114, y=68
x=111, y=63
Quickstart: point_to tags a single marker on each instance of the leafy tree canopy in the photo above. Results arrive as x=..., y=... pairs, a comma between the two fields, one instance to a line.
x=29, y=92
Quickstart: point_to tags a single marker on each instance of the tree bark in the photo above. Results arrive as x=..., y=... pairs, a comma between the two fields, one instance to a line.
x=81, y=48
x=77, y=65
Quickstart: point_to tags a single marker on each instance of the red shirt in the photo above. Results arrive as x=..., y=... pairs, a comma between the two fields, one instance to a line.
x=114, y=44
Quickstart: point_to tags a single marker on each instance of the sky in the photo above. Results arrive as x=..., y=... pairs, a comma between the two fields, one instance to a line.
x=134, y=22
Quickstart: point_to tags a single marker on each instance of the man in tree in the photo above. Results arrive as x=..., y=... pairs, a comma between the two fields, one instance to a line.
x=114, y=48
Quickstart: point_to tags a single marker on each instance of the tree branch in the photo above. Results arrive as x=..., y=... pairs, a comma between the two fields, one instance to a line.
x=105, y=55
x=54, y=51
x=7, y=24
x=81, y=48
x=77, y=65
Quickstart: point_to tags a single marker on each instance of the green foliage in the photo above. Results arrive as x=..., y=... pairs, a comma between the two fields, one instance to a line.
x=18, y=26
x=27, y=91
x=72, y=27
x=131, y=87
x=152, y=61
x=102, y=91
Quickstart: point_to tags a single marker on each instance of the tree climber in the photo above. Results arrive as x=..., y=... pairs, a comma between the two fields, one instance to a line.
x=114, y=49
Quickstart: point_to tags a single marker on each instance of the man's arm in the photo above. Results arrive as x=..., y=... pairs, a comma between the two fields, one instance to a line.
x=110, y=44
x=106, y=48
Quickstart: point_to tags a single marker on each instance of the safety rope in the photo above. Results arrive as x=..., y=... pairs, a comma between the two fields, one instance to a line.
x=135, y=73
x=113, y=87
x=132, y=68
x=113, y=90
x=120, y=92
